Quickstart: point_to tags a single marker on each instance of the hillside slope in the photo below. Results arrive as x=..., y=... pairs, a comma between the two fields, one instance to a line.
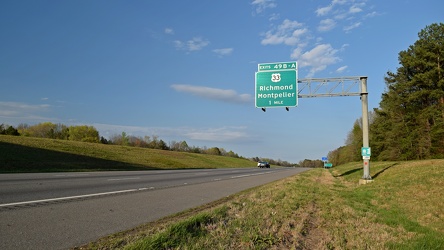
x=27, y=154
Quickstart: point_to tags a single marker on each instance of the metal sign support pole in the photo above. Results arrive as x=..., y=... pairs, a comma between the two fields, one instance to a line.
x=331, y=87
x=365, y=143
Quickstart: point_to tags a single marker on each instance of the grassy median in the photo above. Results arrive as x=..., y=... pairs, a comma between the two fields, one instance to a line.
x=402, y=208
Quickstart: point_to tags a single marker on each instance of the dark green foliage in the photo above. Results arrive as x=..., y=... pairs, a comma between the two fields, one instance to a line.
x=311, y=163
x=11, y=131
x=83, y=133
x=4, y=130
x=8, y=131
x=86, y=133
x=213, y=151
x=352, y=151
x=409, y=124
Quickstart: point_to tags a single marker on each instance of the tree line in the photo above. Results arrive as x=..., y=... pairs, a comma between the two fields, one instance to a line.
x=409, y=122
x=90, y=134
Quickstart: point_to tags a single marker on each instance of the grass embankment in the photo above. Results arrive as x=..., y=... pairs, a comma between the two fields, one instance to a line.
x=320, y=209
x=25, y=154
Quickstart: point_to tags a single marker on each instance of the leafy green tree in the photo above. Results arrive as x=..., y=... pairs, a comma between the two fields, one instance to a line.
x=11, y=131
x=184, y=146
x=232, y=154
x=83, y=133
x=213, y=151
x=409, y=124
x=311, y=163
x=162, y=145
x=22, y=129
x=124, y=139
x=42, y=130
x=103, y=140
x=354, y=142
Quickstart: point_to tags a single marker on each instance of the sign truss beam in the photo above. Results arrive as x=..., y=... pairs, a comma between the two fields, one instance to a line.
x=342, y=86
x=330, y=87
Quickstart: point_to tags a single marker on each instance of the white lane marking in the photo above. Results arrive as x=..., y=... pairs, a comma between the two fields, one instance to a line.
x=248, y=175
x=67, y=198
x=203, y=173
x=70, y=175
x=122, y=179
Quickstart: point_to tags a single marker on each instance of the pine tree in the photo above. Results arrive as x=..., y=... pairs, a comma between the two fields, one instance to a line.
x=410, y=121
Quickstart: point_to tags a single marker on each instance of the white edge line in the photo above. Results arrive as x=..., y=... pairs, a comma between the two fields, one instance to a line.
x=66, y=198
x=122, y=179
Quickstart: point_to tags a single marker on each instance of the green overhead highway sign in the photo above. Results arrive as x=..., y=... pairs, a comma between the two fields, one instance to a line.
x=277, y=88
x=277, y=66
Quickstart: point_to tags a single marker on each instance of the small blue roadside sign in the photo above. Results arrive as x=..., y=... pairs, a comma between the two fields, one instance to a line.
x=324, y=158
x=366, y=153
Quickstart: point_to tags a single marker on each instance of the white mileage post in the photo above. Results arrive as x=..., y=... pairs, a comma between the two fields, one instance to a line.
x=276, y=85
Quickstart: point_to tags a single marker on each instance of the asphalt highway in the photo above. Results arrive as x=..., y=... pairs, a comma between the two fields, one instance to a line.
x=63, y=210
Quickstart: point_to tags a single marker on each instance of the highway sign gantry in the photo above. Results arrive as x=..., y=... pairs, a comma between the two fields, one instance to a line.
x=276, y=85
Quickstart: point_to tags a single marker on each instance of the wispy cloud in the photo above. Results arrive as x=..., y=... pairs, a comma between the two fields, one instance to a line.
x=293, y=33
x=18, y=112
x=222, y=134
x=223, y=52
x=326, y=24
x=352, y=26
x=341, y=69
x=356, y=8
x=225, y=95
x=288, y=33
x=217, y=134
x=324, y=10
x=274, y=16
x=308, y=44
x=344, y=10
x=317, y=58
x=195, y=44
x=261, y=5
x=19, y=108
x=169, y=31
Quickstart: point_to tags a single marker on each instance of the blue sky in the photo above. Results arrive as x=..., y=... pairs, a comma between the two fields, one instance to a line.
x=185, y=70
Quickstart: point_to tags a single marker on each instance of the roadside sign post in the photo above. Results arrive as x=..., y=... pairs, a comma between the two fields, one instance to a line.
x=365, y=144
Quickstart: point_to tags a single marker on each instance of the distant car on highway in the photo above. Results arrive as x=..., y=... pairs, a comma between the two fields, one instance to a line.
x=263, y=164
